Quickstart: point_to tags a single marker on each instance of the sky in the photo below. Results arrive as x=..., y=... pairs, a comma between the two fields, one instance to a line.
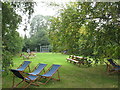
x=43, y=8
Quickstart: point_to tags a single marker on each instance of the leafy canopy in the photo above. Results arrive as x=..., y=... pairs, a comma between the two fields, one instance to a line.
x=87, y=28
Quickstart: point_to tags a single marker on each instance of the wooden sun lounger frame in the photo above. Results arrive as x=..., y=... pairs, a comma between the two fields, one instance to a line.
x=41, y=77
x=22, y=73
x=111, y=69
x=23, y=80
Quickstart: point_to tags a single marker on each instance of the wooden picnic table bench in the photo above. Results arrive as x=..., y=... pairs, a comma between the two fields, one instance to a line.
x=77, y=60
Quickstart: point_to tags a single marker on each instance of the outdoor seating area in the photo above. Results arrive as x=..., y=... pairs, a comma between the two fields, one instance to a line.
x=40, y=37
x=44, y=71
x=77, y=60
x=27, y=55
x=33, y=76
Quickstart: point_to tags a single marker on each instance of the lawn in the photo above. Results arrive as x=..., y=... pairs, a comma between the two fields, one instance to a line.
x=71, y=75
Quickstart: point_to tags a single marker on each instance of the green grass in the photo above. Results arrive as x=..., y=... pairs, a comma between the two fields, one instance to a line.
x=72, y=76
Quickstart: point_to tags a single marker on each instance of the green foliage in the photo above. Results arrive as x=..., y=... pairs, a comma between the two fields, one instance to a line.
x=38, y=33
x=12, y=43
x=88, y=29
x=7, y=60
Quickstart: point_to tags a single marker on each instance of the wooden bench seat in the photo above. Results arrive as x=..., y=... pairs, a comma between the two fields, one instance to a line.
x=76, y=60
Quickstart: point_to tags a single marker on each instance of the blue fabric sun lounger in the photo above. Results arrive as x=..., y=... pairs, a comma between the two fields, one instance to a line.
x=50, y=72
x=53, y=69
x=29, y=79
x=113, y=64
x=23, y=66
x=115, y=67
x=38, y=69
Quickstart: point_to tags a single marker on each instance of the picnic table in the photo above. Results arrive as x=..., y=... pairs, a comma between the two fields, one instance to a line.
x=81, y=60
x=77, y=60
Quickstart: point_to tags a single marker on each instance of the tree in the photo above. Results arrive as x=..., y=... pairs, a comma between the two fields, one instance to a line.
x=102, y=27
x=88, y=28
x=38, y=32
x=12, y=43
